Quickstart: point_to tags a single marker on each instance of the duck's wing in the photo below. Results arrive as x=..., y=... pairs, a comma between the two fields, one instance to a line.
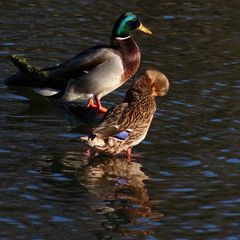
x=117, y=121
x=81, y=63
x=57, y=76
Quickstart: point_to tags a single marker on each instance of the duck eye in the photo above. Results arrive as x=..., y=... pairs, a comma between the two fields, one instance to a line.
x=132, y=24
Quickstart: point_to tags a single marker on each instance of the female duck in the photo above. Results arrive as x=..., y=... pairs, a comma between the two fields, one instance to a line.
x=127, y=124
x=92, y=73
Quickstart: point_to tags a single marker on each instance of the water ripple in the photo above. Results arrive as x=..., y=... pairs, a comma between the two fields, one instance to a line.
x=184, y=179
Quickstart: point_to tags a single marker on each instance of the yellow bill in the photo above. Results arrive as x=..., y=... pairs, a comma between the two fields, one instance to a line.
x=144, y=29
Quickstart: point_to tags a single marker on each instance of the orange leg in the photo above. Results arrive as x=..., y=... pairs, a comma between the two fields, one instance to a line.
x=91, y=103
x=128, y=158
x=88, y=152
x=97, y=106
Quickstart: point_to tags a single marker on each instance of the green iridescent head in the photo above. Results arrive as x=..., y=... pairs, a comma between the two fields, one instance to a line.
x=126, y=23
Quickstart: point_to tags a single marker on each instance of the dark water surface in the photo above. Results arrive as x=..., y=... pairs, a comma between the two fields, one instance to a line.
x=185, y=180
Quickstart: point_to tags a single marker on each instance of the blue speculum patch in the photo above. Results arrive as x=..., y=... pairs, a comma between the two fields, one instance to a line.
x=123, y=135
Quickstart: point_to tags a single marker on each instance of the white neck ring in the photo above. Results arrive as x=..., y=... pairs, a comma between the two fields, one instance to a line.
x=122, y=38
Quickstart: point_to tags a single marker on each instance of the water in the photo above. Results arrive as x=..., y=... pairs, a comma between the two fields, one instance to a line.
x=184, y=181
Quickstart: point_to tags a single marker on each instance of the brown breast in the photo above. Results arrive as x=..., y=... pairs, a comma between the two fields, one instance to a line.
x=130, y=55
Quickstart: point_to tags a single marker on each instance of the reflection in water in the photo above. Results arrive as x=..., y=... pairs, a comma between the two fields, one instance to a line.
x=192, y=148
x=119, y=192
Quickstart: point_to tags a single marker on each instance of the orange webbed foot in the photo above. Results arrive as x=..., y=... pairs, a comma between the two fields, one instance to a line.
x=98, y=106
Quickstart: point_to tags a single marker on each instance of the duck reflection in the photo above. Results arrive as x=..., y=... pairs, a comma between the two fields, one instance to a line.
x=120, y=194
x=110, y=187
x=110, y=177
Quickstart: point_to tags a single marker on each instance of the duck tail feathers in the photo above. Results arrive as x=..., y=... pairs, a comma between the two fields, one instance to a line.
x=93, y=141
x=85, y=139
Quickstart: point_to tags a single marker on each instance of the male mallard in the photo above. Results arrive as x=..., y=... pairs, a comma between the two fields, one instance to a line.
x=127, y=124
x=92, y=73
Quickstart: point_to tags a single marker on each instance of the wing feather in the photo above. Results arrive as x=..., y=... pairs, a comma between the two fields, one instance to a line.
x=78, y=65
x=120, y=118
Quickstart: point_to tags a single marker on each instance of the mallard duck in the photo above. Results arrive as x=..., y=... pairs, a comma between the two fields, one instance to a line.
x=91, y=74
x=127, y=124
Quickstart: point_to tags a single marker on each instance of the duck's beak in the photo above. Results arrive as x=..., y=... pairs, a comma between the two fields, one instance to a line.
x=144, y=29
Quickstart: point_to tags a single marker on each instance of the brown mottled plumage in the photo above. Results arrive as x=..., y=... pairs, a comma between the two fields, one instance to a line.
x=127, y=124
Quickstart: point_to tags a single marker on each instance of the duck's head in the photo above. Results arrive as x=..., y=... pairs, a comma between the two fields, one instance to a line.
x=150, y=83
x=157, y=81
x=126, y=23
